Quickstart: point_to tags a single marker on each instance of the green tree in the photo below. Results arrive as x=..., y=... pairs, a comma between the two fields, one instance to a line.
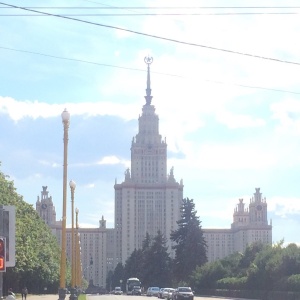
x=262, y=273
x=205, y=276
x=37, y=251
x=146, y=275
x=157, y=263
x=250, y=253
x=190, y=247
x=118, y=276
x=133, y=265
x=109, y=280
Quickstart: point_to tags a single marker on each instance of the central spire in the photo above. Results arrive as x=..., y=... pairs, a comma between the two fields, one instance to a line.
x=148, y=60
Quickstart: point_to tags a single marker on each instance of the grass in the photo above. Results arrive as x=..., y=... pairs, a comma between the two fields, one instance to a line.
x=82, y=297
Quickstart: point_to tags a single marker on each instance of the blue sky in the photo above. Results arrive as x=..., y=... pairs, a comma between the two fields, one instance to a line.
x=232, y=121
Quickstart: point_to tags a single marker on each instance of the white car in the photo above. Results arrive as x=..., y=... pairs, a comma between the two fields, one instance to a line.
x=167, y=293
x=153, y=291
x=118, y=291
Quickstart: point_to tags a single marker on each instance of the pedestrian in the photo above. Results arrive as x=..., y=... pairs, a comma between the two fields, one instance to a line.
x=11, y=296
x=11, y=291
x=24, y=293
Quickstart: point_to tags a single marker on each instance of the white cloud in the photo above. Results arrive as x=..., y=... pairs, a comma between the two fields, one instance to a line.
x=90, y=186
x=233, y=121
x=287, y=112
x=112, y=160
x=284, y=206
x=18, y=110
x=233, y=156
x=34, y=109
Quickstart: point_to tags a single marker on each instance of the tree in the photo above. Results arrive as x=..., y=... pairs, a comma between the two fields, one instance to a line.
x=133, y=265
x=190, y=247
x=118, y=275
x=157, y=263
x=109, y=279
x=37, y=251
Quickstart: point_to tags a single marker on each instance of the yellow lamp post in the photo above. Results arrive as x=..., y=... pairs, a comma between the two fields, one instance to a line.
x=77, y=254
x=73, y=259
x=79, y=265
x=62, y=287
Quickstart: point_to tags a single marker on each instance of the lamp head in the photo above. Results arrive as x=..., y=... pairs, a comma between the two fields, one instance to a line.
x=72, y=184
x=65, y=115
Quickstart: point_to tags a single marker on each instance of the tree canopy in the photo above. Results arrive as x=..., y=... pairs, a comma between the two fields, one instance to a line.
x=190, y=246
x=37, y=251
x=261, y=267
x=151, y=264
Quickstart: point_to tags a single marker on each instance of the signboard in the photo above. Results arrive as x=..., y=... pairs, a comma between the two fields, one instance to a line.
x=2, y=254
x=9, y=232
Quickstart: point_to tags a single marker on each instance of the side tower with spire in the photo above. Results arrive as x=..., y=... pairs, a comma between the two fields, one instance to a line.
x=148, y=199
x=45, y=208
x=251, y=225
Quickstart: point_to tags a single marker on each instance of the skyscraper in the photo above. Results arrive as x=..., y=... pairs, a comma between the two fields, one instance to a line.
x=149, y=199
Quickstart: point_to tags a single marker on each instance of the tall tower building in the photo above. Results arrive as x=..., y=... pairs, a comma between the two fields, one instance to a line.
x=149, y=199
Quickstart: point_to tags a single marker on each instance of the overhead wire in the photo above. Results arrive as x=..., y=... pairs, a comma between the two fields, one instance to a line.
x=155, y=7
x=142, y=70
x=148, y=14
x=157, y=37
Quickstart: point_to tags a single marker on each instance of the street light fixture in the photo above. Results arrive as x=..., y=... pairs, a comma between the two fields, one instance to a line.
x=62, y=288
x=73, y=264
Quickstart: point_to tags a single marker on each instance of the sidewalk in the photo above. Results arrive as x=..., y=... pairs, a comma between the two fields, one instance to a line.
x=42, y=297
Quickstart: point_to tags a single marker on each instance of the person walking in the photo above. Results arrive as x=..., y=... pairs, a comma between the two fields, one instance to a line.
x=10, y=296
x=24, y=293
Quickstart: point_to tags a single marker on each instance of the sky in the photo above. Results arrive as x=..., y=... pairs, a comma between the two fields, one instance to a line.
x=225, y=84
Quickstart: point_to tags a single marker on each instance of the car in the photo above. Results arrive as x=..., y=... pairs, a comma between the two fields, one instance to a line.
x=183, y=293
x=167, y=293
x=160, y=293
x=136, y=290
x=152, y=291
x=118, y=291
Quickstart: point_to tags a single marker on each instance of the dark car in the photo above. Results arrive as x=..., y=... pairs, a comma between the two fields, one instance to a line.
x=136, y=290
x=160, y=293
x=183, y=293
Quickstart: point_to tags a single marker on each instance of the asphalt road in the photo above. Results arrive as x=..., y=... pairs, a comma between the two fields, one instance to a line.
x=125, y=297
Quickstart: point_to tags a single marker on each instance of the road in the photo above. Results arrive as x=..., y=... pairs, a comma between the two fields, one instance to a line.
x=125, y=297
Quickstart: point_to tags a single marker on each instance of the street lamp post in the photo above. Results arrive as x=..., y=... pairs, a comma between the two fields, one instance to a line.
x=62, y=287
x=77, y=254
x=73, y=264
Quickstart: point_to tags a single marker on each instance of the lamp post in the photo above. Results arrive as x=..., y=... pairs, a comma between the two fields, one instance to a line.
x=77, y=257
x=62, y=287
x=73, y=264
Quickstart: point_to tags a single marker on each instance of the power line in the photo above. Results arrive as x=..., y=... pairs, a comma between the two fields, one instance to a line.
x=158, y=37
x=150, y=14
x=154, y=7
x=142, y=70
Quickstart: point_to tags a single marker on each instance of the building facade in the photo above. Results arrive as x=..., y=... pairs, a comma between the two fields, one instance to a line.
x=249, y=225
x=148, y=201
